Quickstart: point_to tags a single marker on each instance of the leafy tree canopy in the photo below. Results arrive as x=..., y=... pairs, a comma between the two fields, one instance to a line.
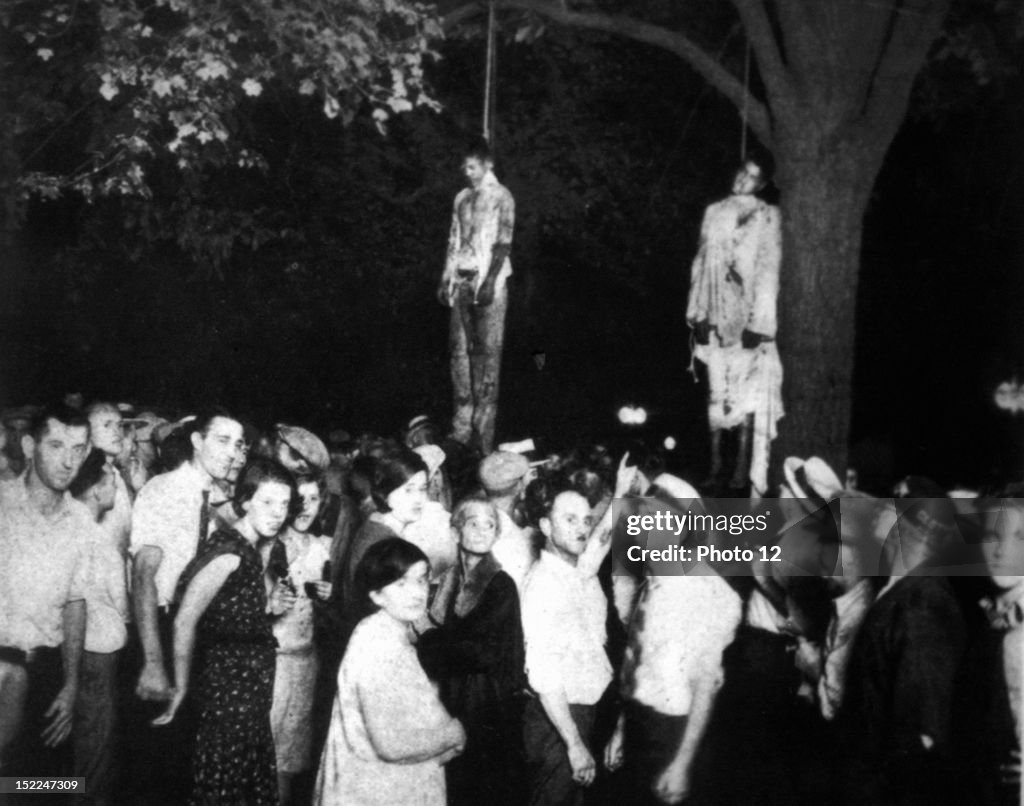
x=98, y=89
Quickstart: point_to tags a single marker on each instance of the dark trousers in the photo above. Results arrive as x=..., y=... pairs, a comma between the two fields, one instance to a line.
x=95, y=720
x=650, y=742
x=548, y=773
x=30, y=757
x=475, y=339
x=158, y=760
x=494, y=743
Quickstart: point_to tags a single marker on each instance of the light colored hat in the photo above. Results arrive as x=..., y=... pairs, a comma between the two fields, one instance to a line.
x=676, y=487
x=23, y=414
x=305, y=443
x=145, y=423
x=811, y=480
x=502, y=469
x=419, y=430
x=164, y=430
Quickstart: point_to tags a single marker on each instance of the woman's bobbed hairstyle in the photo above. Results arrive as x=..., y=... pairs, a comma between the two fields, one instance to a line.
x=385, y=562
x=389, y=472
x=260, y=471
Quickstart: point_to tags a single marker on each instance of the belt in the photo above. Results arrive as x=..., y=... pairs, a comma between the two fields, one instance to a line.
x=466, y=274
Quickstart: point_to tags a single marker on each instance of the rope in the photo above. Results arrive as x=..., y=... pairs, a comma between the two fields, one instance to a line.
x=746, y=99
x=489, y=75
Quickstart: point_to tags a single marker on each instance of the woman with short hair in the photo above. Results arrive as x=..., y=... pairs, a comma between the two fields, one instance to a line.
x=397, y=484
x=224, y=619
x=297, y=558
x=477, y=655
x=389, y=734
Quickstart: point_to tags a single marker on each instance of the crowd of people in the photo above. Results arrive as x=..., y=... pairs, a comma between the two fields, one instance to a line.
x=195, y=610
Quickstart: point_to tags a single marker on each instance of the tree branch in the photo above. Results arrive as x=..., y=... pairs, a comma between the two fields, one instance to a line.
x=916, y=29
x=709, y=68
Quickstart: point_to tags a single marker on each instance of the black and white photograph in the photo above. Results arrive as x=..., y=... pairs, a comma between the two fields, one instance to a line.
x=511, y=402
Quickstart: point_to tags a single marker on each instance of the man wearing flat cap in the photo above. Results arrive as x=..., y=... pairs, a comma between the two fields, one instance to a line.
x=299, y=450
x=503, y=476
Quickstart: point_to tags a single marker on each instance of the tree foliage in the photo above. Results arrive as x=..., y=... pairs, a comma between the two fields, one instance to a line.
x=98, y=91
x=830, y=87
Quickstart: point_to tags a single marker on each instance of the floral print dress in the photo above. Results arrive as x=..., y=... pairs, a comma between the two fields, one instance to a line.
x=235, y=646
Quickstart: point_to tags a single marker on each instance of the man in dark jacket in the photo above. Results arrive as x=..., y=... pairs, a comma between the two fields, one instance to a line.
x=895, y=720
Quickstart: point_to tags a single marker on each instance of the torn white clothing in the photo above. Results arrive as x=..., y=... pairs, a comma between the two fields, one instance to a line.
x=734, y=279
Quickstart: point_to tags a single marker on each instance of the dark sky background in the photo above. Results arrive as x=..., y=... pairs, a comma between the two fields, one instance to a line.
x=612, y=151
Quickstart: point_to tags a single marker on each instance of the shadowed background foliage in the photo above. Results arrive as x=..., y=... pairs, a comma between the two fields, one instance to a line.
x=322, y=310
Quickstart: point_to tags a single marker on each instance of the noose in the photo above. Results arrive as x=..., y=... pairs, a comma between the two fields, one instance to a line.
x=489, y=81
x=746, y=100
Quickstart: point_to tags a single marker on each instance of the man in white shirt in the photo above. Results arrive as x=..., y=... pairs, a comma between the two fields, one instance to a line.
x=106, y=433
x=503, y=475
x=684, y=619
x=105, y=632
x=170, y=519
x=564, y=612
x=43, y=579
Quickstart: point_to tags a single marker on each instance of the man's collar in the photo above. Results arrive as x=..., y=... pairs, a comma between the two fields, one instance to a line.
x=194, y=474
x=557, y=561
x=25, y=499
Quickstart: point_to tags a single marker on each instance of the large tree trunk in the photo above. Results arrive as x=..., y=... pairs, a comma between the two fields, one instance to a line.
x=837, y=78
x=825, y=188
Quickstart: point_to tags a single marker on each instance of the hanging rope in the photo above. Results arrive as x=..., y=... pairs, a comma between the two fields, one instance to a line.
x=746, y=99
x=489, y=76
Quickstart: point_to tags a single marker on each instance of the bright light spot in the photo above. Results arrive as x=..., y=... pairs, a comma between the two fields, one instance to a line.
x=632, y=415
x=1008, y=396
x=670, y=443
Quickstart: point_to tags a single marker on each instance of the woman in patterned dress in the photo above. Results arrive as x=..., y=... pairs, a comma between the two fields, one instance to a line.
x=223, y=618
